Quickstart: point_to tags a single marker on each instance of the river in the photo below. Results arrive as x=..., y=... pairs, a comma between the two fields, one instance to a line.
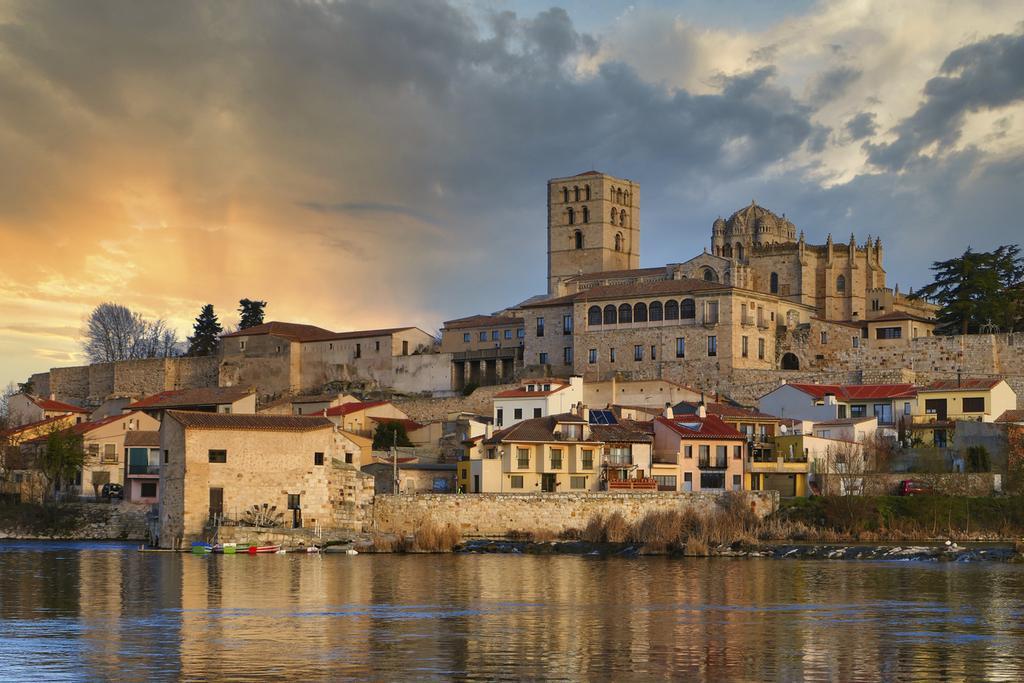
x=88, y=611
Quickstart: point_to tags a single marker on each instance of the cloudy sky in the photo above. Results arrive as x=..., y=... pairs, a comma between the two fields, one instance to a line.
x=363, y=164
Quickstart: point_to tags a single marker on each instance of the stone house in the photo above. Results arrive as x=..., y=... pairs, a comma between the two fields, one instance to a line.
x=313, y=404
x=25, y=409
x=697, y=453
x=486, y=349
x=225, y=400
x=360, y=417
x=413, y=477
x=216, y=467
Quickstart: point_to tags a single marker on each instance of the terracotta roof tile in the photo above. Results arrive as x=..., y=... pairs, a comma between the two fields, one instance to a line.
x=49, y=404
x=1011, y=416
x=857, y=392
x=353, y=407
x=182, y=398
x=537, y=429
x=311, y=333
x=13, y=431
x=694, y=427
x=269, y=423
x=142, y=437
x=965, y=384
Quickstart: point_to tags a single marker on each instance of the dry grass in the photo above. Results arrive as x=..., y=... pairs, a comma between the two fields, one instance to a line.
x=387, y=543
x=432, y=537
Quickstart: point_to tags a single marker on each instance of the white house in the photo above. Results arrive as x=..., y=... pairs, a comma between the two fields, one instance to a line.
x=537, y=398
x=826, y=402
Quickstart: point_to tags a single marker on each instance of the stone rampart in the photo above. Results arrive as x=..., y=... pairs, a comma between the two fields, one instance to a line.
x=498, y=515
x=433, y=409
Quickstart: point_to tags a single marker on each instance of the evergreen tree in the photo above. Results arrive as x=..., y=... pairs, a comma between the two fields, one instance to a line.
x=390, y=434
x=251, y=311
x=206, y=333
x=977, y=289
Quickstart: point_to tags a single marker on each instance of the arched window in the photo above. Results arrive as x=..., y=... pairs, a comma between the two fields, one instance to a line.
x=640, y=313
x=773, y=283
x=625, y=313
x=672, y=310
x=586, y=215
x=576, y=192
x=618, y=196
x=565, y=195
x=739, y=251
x=627, y=198
x=790, y=362
x=614, y=214
x=689, y=309
x=586, y=192
x=572, y=216
x=655, y=311
x=594, y=315
x=710, y=275
x=618, y=241
x=841, y=283
x=611, y=197
x=622, y=217
x=578, y=239
x=610, y=315
x=726, y=251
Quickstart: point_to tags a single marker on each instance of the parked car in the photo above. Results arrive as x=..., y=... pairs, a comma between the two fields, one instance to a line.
x=112, y=491
x=912, y=487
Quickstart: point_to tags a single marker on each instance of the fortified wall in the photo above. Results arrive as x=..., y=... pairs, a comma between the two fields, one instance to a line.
x=90, y=385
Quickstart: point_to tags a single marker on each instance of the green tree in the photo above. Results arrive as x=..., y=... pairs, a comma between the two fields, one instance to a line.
x=251, y=311
x=206, y=333
x=62, y=458
x=390, y=434
x=977, y=289
x=978, y=459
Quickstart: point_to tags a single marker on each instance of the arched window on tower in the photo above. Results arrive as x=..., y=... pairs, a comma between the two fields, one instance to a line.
x=739, y=251
x=773, y=283
x=622, y=218
x=672, y=310
x=576, y=191
x=565, y=195
x=618, y=241
x=625, y=313
x=627, y=198
x=577, y=238
x=726, y=251
x=614, y=214
x=586, y=215
x=618, y=196
x=640, y=313
x=586, y=192
x=841, y=284
x=710, y=275
x=610, y=314
x=689, y=309
x=656, y=312
x=594, y=315
x=572, y=216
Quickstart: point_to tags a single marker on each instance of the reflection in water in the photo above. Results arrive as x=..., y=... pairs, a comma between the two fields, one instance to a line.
x=88, y=611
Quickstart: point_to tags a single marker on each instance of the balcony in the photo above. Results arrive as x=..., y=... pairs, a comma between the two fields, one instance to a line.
x=717, y=464
x=797, y=463
x=143, y=470
x=618, y=460
x=747, y=320
x=646, y=484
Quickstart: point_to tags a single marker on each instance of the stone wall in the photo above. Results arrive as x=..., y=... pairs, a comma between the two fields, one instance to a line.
x=422, y=372
x=493, y=514
x=79, y=521
x=432, y=409
x=90, y=385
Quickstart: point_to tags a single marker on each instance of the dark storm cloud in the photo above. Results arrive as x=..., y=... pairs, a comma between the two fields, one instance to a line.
x=984, y=75
x=861, y=126
x=832, y=84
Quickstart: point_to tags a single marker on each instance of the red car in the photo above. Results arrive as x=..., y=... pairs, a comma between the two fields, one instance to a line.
x=910, y=487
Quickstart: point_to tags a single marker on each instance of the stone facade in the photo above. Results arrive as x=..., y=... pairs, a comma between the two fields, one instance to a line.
x=497, y=515
x=93, y=384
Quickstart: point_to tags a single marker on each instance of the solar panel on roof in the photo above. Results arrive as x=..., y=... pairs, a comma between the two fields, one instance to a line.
x=602, y=417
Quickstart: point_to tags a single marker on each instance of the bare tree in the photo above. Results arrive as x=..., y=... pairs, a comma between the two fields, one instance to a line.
x=5, y=405
x=115, y=332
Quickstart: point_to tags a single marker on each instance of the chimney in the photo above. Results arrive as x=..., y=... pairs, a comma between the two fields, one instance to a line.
x=53, y=396
x=702, y=411
x=585, y=413
x=668, y=411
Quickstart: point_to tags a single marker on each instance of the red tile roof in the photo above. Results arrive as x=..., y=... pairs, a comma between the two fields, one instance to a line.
x=142, y=437
x=49, y=404
x=32, y=425
x=482, y=321
x=966, y=384
x=352, y=407
x=724, y=410
x=857, y=392
x=268, y=423
x=310, y=333
x=694, y=427
x=1011, y=416
x=537, y=429
x=521, y=392
x=183, y=398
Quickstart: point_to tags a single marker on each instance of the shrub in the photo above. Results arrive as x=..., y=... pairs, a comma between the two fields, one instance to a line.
x=431, y=537
x=616, y=529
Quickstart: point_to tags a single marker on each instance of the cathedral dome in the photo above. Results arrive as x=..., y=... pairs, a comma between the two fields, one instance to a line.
x=760, y=221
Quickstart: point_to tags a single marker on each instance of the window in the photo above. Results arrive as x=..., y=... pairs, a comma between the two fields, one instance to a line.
x=773, y=283
x=567, y=355
x=666, y=482
x=654, y=352
x=638, y=352
x=521, y=333
x=618, y=239
x=537, y=412
x=592, y=356
x=516, y=481
x=974, y=404
x=522, y=458
x=858, y=411
x=576, y=193
x=565, y=195
x=318, y=458
x=507, y=334
x=744, y=343
x=611, y=315
x=760, y=348
x=570, y=216
x=655, y=311
x=874, y=305
x=405, y=346
x=721, y=455
x=824, y=337
x=109, y=452
x=148, y=489
x=688, y=452
x=611, y=355
x=711, y=313
x=614, y=214
x=483, y=336
x=888, y=333
x=680, y=347
x=703, y=456
x=500, y=417
x=540, y=327
x=556, y=458
x=688, y=310
x=465, y=337
x=737, y=452
x=712, y=345
x=855, y=341
x=587, y=459
x=841, y=284
x=567, y=324
x=883, y=413
x=712, y=480
x=710, y=275
x=517, y=413
x=578, y=482
x=348, y=457
x=577, y=237
x=241, y=345
x=218, y=456
x=737, y=482
x=167, y=453
x=640, y=313
x=542, y=358
x=906, y=407
x=359, y=350
x=671, y=310
x=586, y=192
x=625, y=313
x=687, y=481
x=494, y=335
x=594, y=315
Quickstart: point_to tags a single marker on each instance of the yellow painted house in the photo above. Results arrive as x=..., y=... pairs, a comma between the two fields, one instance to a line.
x=942, y=403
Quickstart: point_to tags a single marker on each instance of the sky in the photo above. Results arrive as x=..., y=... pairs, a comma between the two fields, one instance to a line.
x=364, y=164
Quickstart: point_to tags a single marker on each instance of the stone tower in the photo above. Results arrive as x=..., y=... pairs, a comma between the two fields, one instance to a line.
x=749, y=227
x=593, y=226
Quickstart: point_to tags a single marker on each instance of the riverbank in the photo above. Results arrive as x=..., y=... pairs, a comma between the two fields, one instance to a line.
x=73, y=522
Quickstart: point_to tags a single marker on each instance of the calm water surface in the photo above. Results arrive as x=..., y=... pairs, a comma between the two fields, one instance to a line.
x=89, y=611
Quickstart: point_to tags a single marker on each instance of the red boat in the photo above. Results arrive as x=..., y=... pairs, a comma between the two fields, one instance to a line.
x=254, y=549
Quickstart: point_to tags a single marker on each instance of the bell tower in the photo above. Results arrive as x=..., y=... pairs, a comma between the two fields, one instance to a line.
x=593, y=226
